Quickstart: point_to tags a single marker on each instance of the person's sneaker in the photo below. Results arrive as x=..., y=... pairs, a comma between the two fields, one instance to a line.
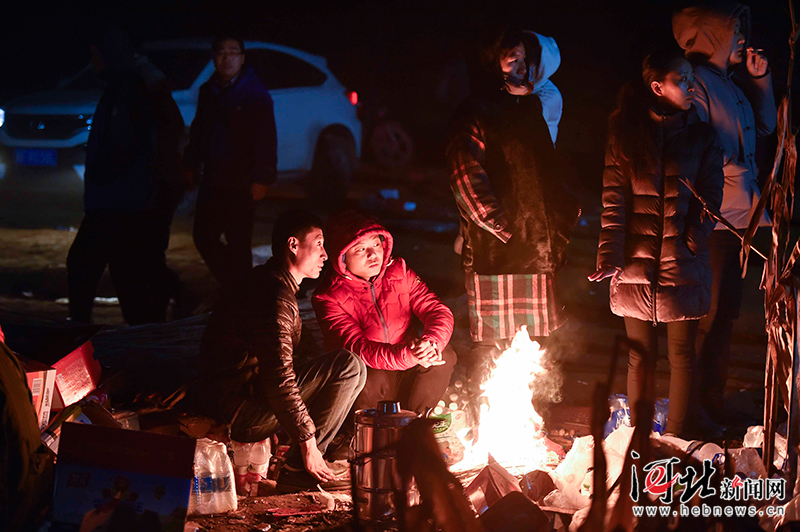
x=339, y=467
x=291, y=481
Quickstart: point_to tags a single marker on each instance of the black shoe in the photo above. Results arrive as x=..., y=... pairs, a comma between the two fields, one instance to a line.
x=291, y=481
x=341, y=448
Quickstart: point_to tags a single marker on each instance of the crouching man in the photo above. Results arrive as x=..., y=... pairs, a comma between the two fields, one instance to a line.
x=365, y=304
x=248, y=355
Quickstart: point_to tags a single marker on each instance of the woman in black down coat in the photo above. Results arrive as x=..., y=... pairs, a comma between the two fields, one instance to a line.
x=654, y=235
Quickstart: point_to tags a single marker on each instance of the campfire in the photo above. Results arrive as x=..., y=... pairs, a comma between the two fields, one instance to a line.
x=510, y=429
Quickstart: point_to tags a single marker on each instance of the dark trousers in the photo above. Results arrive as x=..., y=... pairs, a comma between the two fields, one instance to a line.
x=328, y=384
x=680, y=350
x=417, y=388
x=123, y=241
x=714, y=333
x=227, y=214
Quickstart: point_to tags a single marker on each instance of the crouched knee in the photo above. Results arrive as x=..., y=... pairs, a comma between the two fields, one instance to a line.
x=351, y=367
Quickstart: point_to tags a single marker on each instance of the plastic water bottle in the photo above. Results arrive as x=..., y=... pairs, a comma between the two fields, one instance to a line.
x=660, y=415
x=257, y=465
x=706, y=451
x=620, y=414
x=203, y=491
x=241, y=459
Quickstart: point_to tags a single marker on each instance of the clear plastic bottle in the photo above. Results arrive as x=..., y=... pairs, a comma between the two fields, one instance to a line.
x=706, y=451
x=241, y=459
x=258, y=463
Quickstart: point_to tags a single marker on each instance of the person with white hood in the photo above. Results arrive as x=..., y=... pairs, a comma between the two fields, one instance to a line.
x=740, y=106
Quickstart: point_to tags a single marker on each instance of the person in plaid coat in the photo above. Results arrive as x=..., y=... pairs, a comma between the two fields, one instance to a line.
x=516, y=213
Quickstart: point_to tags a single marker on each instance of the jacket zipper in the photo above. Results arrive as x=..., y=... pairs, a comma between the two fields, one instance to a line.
x=661, y=195
x=375, y=302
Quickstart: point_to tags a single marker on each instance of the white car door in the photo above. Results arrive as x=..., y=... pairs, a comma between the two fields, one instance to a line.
x=299, y=98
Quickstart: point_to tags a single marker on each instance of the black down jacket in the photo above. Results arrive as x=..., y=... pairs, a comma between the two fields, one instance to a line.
x=654, y=229
x=248, y=349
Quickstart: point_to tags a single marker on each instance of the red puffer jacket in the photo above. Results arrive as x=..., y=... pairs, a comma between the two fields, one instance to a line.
x=373, y=318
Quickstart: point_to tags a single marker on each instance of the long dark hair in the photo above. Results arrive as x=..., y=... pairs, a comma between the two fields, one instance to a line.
x=629, y=126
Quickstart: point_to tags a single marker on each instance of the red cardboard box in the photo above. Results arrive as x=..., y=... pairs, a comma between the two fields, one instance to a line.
x=139, y=480
x=77, y=371
x=41, y=380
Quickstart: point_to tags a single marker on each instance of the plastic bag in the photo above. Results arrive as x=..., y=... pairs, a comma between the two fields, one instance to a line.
x=213, y=489
x=755, y=438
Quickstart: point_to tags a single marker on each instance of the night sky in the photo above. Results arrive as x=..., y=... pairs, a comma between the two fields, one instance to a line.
x=402, y=47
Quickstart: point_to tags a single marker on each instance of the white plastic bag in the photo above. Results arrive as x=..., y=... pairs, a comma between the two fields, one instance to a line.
x=755, y=438
x=213, y=488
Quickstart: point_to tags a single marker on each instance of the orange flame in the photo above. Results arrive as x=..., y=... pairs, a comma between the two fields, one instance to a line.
x=510, y=428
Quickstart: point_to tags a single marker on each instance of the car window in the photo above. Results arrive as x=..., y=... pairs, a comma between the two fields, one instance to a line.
x=181, y=67
x=277, y=70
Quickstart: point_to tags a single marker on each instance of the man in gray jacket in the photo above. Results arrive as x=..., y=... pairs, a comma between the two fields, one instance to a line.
x=740, y=106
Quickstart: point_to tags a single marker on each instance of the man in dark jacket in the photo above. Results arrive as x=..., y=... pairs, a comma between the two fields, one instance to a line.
x=740, y=107
x=132, y=159
x=233, y=138
x=249, y=376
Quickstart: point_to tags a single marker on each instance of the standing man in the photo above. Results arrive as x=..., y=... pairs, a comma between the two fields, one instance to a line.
x=249, y=377
x=233, y=140
x=131, y=156
x=740, y=107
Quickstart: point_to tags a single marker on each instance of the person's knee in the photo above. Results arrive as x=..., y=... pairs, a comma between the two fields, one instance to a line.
x=449, y=356
x=351, y=367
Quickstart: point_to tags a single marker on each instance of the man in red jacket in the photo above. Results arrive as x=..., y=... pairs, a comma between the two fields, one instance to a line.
x=365, y=304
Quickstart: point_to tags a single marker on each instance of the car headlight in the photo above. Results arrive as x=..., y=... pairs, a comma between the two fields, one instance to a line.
x=2, y=117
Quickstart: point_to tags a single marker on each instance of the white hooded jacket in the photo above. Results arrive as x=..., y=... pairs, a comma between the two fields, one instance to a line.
x=548, y=93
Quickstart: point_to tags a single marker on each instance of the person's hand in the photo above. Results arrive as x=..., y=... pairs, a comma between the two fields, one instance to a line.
x=426, y=352
x=314, y=462
x=259, y=191
x=518, y=89
x=605, y=273
x=757, y=64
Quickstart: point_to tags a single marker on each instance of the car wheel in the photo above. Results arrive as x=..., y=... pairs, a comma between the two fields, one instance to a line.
x=391, y=145
x=335, y=162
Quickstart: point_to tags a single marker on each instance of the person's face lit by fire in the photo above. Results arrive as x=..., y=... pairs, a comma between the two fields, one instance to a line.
x=676, y=89
x=514, y=66
x=228, y=59
x=309, y=253
x=365, y=258
x=737, y=45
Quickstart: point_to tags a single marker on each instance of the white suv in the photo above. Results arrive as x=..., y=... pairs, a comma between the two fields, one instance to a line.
x=319, y=134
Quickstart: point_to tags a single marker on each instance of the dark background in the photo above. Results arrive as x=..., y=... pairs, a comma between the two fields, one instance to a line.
x=404, y=49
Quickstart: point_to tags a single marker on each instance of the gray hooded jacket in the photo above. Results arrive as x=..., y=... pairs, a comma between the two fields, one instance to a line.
x=739, y=109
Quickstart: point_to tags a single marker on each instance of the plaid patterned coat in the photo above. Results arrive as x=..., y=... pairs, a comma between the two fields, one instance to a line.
x=516, y=215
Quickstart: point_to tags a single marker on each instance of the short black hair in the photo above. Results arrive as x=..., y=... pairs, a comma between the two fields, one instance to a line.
x=222, y=37
x=296, y=223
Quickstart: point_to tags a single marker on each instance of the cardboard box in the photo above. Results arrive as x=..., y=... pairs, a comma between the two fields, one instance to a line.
x=136, y=479
x=77, y=371
x=41, y=380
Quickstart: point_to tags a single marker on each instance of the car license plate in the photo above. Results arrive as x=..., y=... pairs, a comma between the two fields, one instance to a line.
x=35, y=157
